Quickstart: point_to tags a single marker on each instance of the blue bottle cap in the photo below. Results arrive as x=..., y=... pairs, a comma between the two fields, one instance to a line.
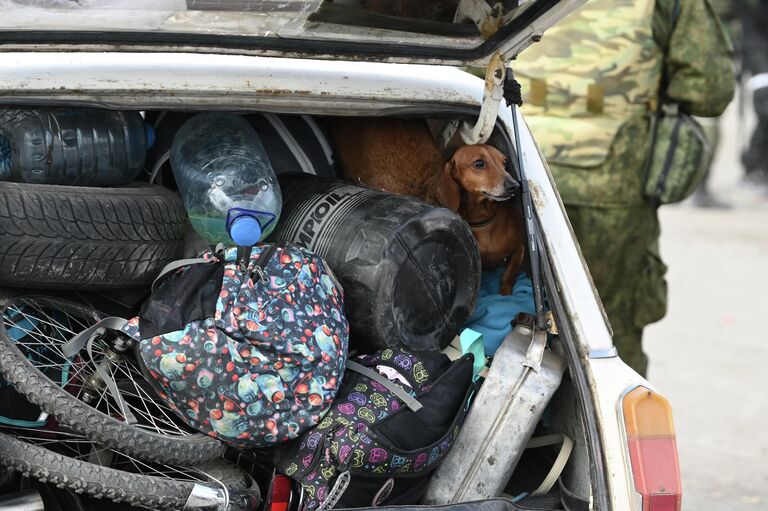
x=149, y=131
x=245, y=231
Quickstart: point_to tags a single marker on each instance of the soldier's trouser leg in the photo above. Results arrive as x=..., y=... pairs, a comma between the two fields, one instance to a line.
x=756, y=155
x=755, y=51
x=621, y=248
x=711, y=126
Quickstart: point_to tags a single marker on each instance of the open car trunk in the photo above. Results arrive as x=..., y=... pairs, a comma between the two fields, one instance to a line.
x=564, y=414
x=206, y=55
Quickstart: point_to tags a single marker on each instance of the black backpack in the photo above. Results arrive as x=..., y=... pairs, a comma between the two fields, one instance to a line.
x=393, y=421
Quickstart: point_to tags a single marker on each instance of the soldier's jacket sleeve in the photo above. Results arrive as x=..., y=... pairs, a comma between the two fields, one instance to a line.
x=699, y=65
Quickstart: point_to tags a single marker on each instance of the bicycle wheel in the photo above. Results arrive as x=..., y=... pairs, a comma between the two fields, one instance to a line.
x=70, y=461
x=32, y=333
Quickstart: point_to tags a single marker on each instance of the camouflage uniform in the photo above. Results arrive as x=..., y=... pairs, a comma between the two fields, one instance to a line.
x=590, y=85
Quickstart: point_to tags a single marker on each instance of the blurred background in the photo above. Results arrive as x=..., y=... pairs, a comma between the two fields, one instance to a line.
x=709, y=354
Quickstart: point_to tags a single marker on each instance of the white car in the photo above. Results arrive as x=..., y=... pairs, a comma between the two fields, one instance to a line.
x=334, y=58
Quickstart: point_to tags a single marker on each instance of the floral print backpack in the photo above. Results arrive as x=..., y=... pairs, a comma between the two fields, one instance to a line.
x=393, y=421
x=250, y=351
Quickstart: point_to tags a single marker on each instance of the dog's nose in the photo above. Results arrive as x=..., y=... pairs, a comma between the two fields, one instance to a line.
x=511, y=186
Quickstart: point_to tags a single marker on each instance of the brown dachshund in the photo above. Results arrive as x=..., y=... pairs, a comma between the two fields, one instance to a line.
x=475, y=184
x=400, y=156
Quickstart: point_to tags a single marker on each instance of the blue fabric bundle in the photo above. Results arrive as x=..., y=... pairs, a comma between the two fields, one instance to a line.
x=494, y=313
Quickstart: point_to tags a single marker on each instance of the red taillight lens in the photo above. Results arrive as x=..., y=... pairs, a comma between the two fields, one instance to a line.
x=652, y=449
x=280, y=494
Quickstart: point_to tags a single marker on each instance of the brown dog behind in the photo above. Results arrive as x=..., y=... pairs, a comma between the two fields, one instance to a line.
x=395, y=155
x=400, y=156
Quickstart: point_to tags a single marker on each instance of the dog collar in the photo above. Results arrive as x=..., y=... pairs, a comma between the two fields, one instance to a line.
x=485, y=222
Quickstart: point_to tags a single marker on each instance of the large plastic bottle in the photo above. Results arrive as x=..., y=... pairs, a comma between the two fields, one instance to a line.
x=72, y=146
x=226, y=179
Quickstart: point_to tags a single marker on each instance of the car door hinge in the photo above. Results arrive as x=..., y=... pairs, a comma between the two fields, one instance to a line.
x=487, y=18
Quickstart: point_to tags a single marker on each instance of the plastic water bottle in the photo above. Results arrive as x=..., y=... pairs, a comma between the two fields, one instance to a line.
x=226, y=179
x=72, y=146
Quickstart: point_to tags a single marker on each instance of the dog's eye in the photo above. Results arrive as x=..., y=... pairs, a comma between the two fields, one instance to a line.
x=478, y=164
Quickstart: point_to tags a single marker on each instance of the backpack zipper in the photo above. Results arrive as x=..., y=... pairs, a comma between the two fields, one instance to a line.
x=261, y=263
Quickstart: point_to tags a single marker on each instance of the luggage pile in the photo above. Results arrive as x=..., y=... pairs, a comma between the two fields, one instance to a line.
x=198, y=314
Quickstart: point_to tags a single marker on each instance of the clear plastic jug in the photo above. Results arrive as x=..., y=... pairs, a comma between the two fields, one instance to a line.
x=226, y=179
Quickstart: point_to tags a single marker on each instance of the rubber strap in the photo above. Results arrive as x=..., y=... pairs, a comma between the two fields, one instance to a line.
x=320, y=138
x=296, y=150
x=534, y=249
x=85, y=340
x=557, y=467
x=166, y=156
x=410, y=401
x=535, y=353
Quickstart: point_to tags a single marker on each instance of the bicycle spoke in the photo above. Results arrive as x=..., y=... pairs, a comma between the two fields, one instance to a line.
x=51, y=322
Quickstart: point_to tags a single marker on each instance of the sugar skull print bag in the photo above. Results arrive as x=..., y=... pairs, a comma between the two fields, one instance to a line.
x=393, y=421
x=249, y=352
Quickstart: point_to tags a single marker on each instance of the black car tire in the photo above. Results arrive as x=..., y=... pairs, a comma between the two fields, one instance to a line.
x=87, y=238
x=104, y=482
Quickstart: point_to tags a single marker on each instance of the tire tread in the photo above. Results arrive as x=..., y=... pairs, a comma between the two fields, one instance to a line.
x=121, y=236
x=104, y=482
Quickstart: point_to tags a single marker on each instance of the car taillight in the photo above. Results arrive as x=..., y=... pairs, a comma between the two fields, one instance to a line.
x=652, y=449
x=280, y=494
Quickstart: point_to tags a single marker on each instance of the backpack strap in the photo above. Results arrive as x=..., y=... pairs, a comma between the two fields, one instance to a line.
x=175, y=265
x=664, y=77
x=661, y=106
x=410, y=401
x=181, y=263
x=336, y=491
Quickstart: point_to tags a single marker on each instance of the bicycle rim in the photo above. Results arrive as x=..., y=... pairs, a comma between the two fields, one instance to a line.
x=39, y=327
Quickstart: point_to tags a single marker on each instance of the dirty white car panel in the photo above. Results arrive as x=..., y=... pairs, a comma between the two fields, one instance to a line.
x=467, y=33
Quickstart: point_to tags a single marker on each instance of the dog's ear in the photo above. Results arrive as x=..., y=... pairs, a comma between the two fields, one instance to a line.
x=447, y=188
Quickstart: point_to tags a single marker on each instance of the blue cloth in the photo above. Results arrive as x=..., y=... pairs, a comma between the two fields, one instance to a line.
x=494, y=313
